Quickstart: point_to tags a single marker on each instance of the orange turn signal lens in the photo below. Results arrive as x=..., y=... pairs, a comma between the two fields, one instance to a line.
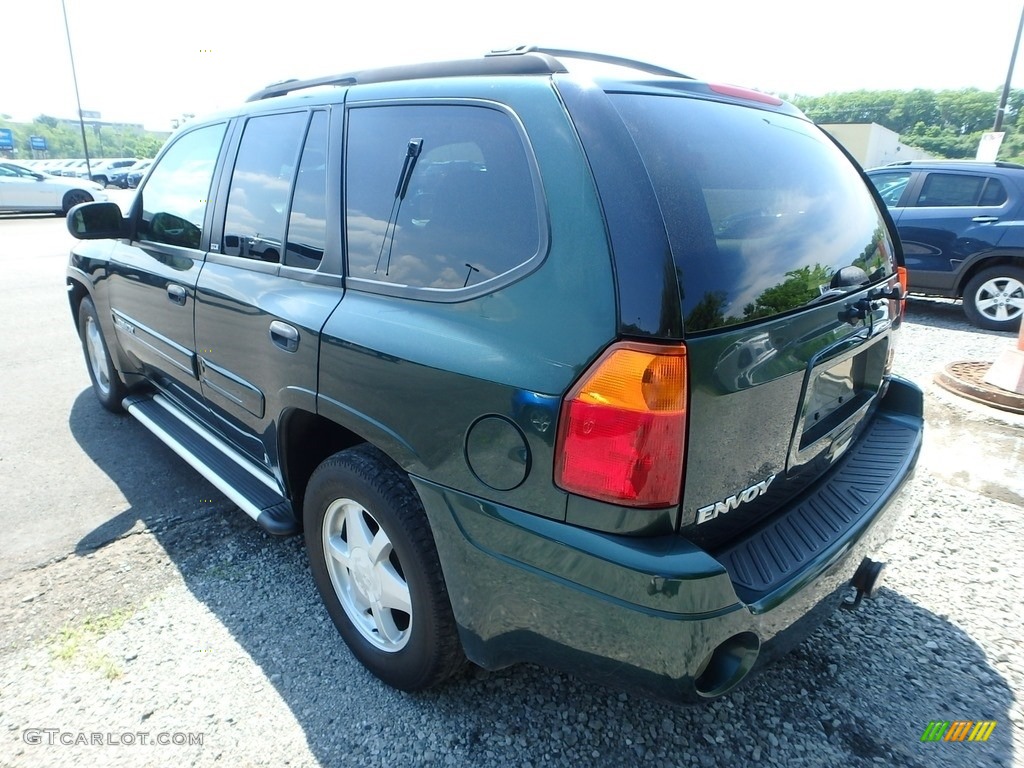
x=622, y=429
x=636, y=380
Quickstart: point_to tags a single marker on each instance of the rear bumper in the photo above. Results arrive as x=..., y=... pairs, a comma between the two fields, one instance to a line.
x=660, y=615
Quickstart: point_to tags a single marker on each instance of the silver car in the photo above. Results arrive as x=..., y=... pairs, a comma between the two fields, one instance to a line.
x=25, y=190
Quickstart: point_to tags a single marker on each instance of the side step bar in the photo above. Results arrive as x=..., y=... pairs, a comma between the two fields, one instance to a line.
x=248, y=485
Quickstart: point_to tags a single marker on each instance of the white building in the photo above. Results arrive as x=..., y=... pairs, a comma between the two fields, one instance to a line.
x=872, y=144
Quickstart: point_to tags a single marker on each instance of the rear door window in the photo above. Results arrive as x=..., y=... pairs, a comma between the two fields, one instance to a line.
x=761, y=209
x=948, y=190
x=307, y=222
x=261, y=181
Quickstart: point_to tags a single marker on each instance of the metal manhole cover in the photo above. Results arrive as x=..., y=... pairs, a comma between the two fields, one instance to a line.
x=965, y=378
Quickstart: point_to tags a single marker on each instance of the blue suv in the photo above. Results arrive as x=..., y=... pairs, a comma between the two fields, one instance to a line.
x=961, y=227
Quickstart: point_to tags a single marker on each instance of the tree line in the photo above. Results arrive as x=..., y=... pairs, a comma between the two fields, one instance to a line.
x=945, y=123
x=64, y=139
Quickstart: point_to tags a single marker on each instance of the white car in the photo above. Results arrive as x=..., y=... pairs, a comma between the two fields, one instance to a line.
x=25, y=190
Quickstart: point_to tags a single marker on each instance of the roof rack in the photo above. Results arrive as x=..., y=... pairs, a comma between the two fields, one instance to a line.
x=523, y=60
x=968, y=161
x=565, y=53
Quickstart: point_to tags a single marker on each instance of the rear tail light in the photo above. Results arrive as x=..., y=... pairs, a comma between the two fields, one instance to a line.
x=622, y=430
x=901, y=273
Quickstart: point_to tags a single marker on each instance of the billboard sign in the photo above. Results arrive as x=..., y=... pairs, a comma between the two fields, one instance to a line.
x=37, y=143
x=6, y=138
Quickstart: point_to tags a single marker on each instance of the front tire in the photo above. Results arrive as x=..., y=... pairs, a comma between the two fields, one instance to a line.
x=994, y=298
x=373, y=558
x=72, y=198
x=106, y=383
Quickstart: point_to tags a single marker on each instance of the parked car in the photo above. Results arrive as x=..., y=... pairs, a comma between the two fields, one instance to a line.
x=22, y=189
x=135, y=174
x=119, y=178
x=64, y=167
x=103, y=172
x=962, y=227
x=504, y=350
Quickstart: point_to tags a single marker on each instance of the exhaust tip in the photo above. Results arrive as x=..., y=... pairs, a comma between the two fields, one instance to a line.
x=727, y=665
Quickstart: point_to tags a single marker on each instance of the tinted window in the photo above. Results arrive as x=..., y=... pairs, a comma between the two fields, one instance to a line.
x=469, y=211
x=994, y=193
x=177, y=191
x=951, y=189
x=761, y=209
x=307, y=223
x=890, y=185
x=260, y=184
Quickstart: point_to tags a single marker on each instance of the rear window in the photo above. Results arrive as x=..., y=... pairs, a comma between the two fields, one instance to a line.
x=761, y=209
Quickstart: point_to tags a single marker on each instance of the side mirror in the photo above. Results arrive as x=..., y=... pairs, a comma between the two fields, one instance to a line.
x=39, y=177
x=97, y=221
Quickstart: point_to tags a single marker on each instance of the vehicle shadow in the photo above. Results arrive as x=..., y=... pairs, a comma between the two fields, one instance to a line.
x=824, y=704
x=945, y=313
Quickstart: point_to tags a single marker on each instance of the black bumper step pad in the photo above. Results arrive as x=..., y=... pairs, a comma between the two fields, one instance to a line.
x=862, y=483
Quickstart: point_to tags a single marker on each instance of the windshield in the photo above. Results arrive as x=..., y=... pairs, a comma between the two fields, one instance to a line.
x=761, y=208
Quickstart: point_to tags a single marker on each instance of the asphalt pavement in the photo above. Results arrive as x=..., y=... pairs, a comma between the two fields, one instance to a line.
x=136, y=602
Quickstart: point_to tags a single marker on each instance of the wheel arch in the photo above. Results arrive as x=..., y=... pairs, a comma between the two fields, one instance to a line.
x=1011, y=258
x=77, y=290
x=306, y=439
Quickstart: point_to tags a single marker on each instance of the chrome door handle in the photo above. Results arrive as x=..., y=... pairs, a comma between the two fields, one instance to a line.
x=177, y=294
x=985, y=219
x=284, y=336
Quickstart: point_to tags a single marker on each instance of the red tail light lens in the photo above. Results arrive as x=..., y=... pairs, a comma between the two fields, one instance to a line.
x=622, y=430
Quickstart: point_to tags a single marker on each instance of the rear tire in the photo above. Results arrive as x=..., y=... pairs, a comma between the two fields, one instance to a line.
x=373, y=558
x=994, y=298
x=106, y=382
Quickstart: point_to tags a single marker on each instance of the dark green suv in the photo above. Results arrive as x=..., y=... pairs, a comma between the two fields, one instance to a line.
x=588, y=372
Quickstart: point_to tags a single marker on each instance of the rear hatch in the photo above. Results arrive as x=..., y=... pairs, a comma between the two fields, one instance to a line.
x=786, y=270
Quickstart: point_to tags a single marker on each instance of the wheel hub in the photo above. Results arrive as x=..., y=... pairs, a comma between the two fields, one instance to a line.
x=373, y=594
x=364, y=576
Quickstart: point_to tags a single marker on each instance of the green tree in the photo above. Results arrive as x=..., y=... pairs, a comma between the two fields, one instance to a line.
x=947, y=123
x=800, y=286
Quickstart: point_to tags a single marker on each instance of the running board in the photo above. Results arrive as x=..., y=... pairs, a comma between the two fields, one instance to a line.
x=248, y=485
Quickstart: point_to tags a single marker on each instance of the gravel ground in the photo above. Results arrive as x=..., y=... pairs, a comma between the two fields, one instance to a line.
x=196, y=627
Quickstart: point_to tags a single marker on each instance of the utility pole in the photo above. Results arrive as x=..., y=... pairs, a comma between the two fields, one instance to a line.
x=74, y=77
x=1009, y=76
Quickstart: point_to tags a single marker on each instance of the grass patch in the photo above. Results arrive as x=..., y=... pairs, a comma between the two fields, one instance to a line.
x=78, y=643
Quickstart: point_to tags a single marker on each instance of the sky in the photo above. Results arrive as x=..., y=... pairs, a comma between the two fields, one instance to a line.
x=150, y=61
